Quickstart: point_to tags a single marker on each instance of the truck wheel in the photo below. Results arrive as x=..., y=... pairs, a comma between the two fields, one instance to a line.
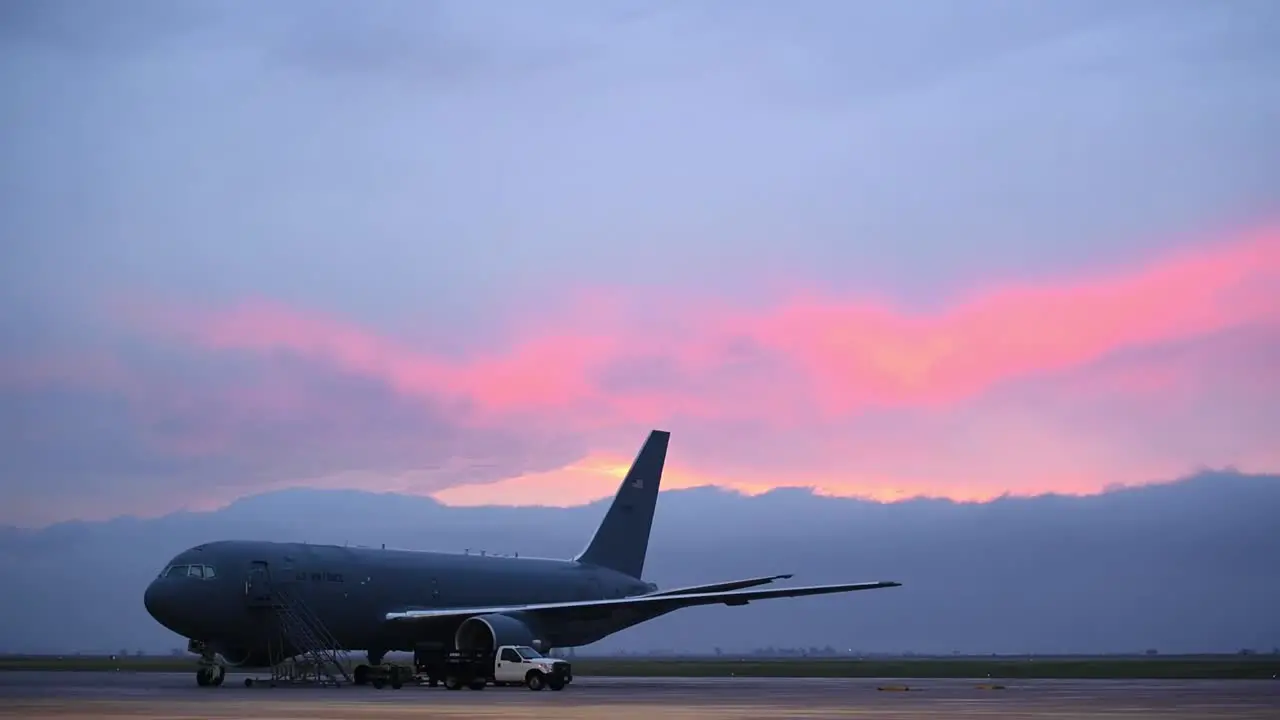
x=535, y=680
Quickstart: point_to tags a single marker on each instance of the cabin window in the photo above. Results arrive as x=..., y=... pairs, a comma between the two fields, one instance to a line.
x=176, y=570
x=195, y=571
x=208, y=572
x=509, y=655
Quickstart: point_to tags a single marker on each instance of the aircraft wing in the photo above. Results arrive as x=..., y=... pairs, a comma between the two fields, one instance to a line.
x=649, y=603
x=720, y=586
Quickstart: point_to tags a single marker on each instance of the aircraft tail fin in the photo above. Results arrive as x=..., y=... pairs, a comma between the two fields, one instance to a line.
x=621, y=541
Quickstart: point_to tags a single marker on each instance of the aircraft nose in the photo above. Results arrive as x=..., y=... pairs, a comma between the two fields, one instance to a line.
x=150, y=599
x=156, y=599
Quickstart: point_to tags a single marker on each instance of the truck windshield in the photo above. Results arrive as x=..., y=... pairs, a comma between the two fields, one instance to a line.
x=528, y=653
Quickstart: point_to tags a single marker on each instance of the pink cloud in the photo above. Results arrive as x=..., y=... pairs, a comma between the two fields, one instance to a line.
x=856, y=353
x=817, y=355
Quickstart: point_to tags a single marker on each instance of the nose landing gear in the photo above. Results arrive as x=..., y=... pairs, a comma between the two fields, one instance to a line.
x=209, y=672
x=211, y=676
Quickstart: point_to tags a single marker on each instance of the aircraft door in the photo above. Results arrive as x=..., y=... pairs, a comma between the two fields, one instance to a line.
x=257, y=584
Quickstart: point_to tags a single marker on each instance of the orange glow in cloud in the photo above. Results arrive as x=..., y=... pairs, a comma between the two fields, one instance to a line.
x=591, y=479
x=598, y=476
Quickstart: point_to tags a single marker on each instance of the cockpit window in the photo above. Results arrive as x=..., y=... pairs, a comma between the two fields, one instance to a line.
x=528, y=653
x=202, y=572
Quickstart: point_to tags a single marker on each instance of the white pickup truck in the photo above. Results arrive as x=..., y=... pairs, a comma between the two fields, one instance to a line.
x=510, y=665
x=522, y=665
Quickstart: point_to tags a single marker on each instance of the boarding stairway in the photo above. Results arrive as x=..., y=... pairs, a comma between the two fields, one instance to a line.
x=318, y=656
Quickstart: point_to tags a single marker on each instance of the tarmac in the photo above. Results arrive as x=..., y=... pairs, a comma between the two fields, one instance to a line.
x=111, y=695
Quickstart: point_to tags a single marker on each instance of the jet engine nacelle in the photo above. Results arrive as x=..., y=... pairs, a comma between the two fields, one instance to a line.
x=486, y=633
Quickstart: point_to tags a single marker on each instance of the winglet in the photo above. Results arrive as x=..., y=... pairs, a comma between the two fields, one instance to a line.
x=622, y=540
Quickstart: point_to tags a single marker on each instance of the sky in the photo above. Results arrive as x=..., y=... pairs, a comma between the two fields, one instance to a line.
x=476, y=250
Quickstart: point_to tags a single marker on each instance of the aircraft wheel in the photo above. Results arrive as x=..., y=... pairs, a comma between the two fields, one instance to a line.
x=379, y=683
x=477, y=684
x=451, y=683
x=535, y=680
x=361, y=675
x=219, y=675
x=556, y=683
x=202, y=677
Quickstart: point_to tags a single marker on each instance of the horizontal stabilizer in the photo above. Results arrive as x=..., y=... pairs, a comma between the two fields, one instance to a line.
x=650, y=603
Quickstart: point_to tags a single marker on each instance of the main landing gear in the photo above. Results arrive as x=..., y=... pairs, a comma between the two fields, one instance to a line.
x=380, y=675
x=209, y=672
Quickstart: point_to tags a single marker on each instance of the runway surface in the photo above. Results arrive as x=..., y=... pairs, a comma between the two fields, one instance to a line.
x=176, y=697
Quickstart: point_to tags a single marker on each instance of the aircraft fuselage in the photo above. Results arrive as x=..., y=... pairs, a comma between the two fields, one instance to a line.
x=352, y=589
